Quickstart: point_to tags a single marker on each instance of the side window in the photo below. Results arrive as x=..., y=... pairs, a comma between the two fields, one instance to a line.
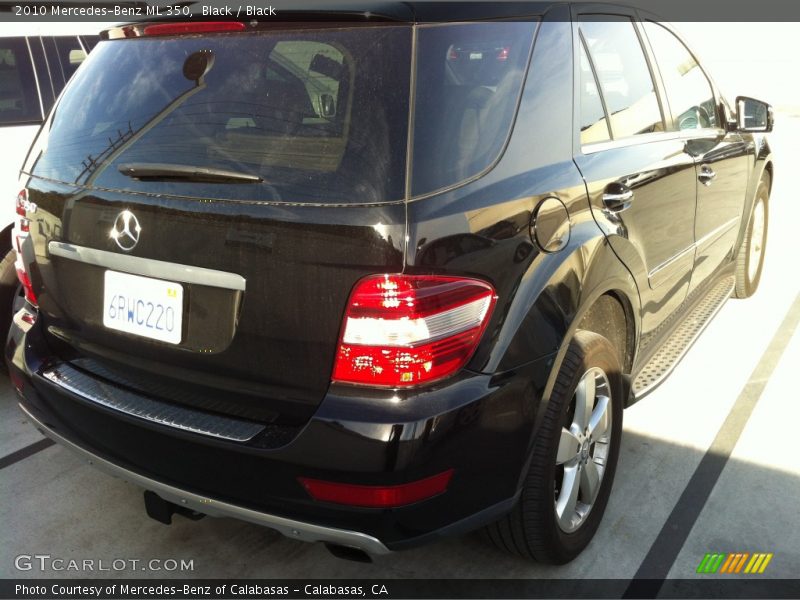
x=19, y=100
x=688, y=90
x=469, y=79
x=594, y=125
x=64, y=55
x=624, y=76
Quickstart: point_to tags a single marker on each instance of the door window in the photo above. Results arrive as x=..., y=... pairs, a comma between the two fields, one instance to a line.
x=688, y=90
x=19, y=101
x=624, y=75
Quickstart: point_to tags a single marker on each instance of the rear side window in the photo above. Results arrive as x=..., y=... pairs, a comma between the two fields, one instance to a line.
x=320, y=115
x=469, y=78
x=689, y=92
x=594, y=125
x=624, y=75
x=19, y=100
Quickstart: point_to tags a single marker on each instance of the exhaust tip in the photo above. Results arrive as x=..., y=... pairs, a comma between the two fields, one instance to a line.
x=348, y=553
x=162, y=510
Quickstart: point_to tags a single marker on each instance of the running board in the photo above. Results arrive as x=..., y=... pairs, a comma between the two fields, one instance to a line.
x=681, y=339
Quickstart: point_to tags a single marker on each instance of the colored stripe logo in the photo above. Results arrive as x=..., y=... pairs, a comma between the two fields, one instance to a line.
x=735, y=563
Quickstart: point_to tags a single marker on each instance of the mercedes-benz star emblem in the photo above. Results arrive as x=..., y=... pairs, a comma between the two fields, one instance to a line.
x=126, y=230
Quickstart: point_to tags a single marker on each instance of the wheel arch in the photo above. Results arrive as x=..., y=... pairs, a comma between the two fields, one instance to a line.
x=763, y=165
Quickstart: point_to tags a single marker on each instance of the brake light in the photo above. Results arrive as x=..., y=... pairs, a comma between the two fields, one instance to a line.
x=502, y=54
x=377, y=496
x=192, y=27
x=403, y=330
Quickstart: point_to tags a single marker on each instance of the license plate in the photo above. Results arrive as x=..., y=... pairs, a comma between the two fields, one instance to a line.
x=151, y=308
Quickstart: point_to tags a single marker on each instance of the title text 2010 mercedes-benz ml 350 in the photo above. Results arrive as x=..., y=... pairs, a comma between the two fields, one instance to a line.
x=372, y=279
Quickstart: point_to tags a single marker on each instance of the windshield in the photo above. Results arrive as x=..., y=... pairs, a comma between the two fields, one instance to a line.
x=317, y=115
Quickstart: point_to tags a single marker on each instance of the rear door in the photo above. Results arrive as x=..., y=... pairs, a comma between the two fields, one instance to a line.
x=721, y=157
x=640, y=179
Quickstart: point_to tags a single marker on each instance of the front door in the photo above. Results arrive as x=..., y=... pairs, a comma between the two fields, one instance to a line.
x=721, y=157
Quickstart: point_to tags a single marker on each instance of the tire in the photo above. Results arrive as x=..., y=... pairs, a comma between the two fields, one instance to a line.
x=750, y=260
x=10, y=291
x=533, y=528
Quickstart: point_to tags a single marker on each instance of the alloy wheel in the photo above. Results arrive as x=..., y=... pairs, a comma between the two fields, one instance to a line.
x=583, y=450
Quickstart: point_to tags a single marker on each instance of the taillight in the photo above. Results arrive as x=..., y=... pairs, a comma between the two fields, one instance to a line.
x=30, y=296
x=22, y=212
x=402, y=330
x=21, y=232
x=377, y=496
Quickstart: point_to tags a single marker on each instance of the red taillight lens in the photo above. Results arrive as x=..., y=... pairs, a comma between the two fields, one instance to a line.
x=502, y=54
x=21, y=232
x=402, y=330
x=30, y=296
x=377, y=496
x=189, y=28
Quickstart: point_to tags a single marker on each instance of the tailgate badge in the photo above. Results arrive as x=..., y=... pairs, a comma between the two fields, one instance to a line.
x=126, y=230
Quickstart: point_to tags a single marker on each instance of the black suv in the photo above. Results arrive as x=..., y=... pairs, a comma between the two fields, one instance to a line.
x=370, y=279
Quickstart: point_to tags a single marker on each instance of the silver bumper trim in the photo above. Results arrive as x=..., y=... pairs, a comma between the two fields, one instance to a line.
x=148, y=267
x=298, y=530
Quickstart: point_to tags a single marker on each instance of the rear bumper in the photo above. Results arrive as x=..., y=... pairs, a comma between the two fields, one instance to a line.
x=307, y=532
x=478, y=426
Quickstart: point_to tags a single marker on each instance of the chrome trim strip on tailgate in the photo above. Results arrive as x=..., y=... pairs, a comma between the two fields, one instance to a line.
x=298, y=530
x=148, y=267
x=171, y=415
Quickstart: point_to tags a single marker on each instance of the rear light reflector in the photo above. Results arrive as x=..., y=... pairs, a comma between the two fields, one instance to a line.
x=369, y=496
x=402, y=330
x=192, y=27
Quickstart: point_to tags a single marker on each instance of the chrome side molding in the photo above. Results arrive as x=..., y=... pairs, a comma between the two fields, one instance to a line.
x=148, y=267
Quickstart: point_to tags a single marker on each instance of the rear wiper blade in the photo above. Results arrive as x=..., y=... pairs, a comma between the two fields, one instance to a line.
x=189, y=173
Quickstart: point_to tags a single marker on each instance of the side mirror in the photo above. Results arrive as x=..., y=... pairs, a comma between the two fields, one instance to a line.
x=753, y=115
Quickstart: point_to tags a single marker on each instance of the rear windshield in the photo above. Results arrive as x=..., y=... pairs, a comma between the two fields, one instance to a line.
x=317, y=115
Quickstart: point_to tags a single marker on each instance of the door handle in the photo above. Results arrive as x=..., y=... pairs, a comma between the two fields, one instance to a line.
x=617, y=197
x=706, y=175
